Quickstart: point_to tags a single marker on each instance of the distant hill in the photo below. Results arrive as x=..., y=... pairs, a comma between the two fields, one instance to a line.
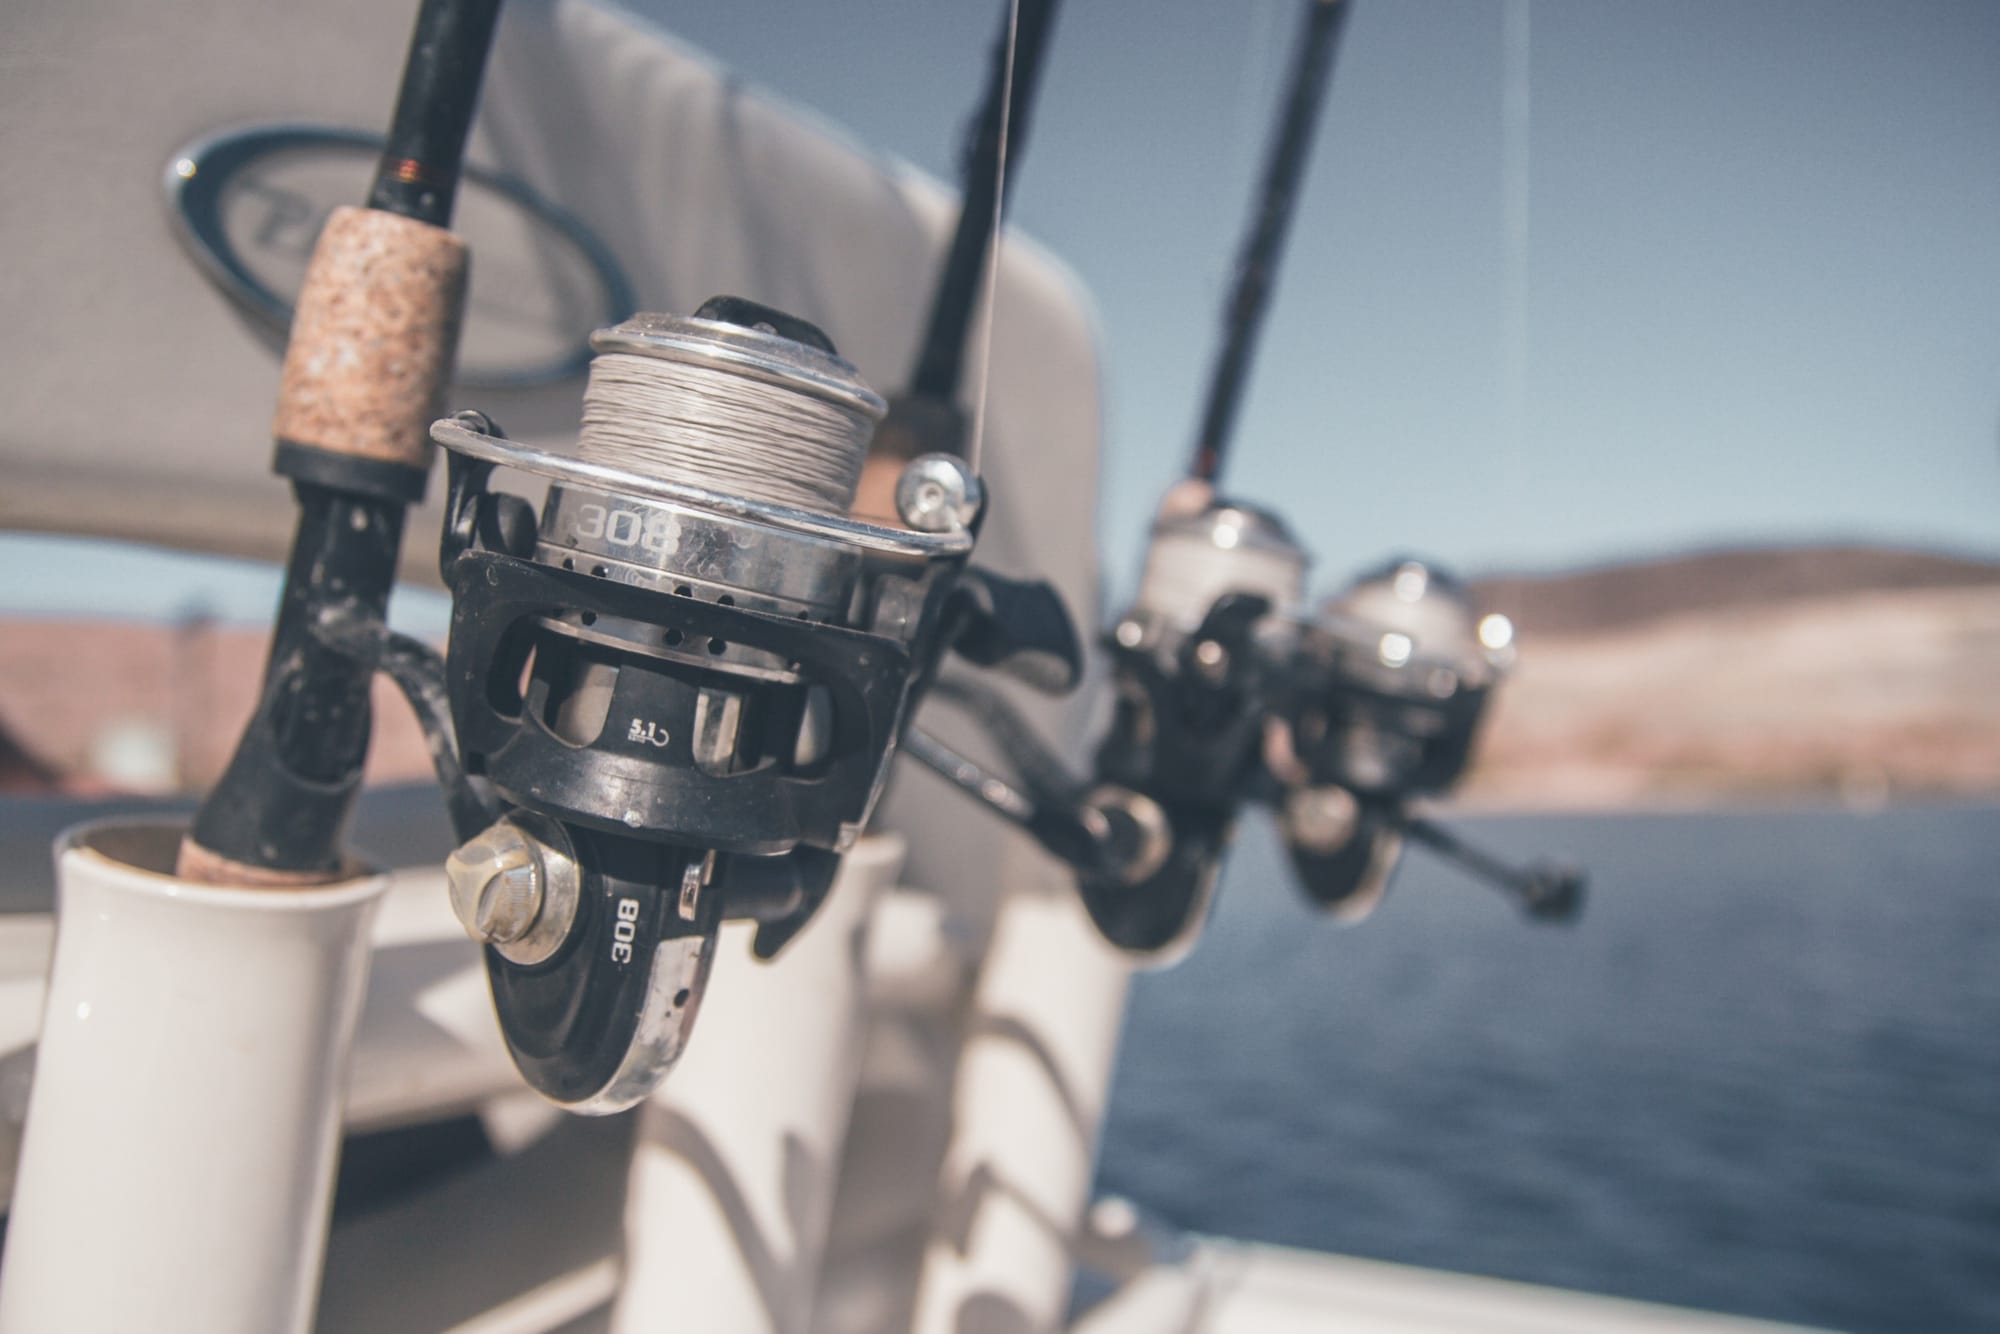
x=1851, y=672
x=1610, y=597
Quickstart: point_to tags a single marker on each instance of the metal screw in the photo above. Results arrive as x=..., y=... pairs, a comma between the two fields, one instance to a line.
x=1212, y=659
x=938, y=493
x=496, y=884
x=1323, y=819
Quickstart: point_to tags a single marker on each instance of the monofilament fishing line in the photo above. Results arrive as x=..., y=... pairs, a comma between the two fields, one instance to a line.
x=714, y=427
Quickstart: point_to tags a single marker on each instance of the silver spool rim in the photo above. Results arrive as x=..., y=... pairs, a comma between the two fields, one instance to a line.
x=462, y=439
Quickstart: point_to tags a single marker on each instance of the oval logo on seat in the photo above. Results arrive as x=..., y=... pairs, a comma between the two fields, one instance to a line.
x=249, y=203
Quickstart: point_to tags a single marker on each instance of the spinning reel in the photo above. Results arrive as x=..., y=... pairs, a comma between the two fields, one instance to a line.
x=1227, y=694
x=1192, y=661
x=1381, y=704
x=1195, y=662
x=1196, y=657
x=684, y=680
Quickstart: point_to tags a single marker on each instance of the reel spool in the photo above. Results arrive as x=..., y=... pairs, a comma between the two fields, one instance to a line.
x=1192, y=663
x=684, y=678
x=1383, y=702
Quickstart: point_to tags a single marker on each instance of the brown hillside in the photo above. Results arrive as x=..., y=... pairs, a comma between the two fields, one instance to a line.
x=70, y=688
x=1632, y=593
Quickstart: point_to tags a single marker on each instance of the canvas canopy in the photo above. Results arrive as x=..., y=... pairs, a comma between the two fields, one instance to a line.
x=139, y=392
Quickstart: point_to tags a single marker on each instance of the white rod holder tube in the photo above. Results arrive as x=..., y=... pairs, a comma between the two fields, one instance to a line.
x=1027, y=1106
x=733, y=1174
x=177, y=1167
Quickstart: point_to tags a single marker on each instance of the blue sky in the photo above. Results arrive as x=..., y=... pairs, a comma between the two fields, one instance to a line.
x=1760, y=288
x=1757, y=298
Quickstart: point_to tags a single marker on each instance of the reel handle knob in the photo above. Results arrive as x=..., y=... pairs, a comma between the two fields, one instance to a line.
x=1554, y=892
x=939, y=493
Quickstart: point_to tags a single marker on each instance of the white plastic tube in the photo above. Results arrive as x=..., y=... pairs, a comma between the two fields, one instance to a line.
x=733, y=1174
x=1028, y=1104
x=177, y=1166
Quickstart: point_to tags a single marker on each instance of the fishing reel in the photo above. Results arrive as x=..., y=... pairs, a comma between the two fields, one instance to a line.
x=683, y=680
x=1381, y=704
x=1194, y=665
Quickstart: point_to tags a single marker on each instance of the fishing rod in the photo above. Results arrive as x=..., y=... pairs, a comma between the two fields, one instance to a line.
x=681, y=682
x=370, y=351
x=1041, y=647
x=926, y=417
x=1222, y=681
x=1020, y=626
x=1192, y=657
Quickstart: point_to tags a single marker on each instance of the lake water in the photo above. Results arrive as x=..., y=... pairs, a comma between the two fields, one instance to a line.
x=1761, y=1075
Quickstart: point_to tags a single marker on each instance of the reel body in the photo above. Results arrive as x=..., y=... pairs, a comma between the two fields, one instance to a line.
x=1192, y=662
x=1382, y=704
x=691, y=696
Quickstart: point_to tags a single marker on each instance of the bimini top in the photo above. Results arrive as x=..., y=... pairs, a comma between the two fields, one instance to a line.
x=619, y=170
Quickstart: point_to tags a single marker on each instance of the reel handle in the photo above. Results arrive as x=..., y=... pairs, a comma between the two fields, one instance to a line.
x=1546, y=891
x=1554, y=892
x=1020, y=627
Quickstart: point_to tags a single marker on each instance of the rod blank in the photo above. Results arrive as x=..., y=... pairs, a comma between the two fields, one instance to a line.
x=1257, y=264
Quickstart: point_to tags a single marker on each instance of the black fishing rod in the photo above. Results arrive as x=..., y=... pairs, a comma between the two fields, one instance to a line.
x=1193, y=655
x=371, y=347
x=1000, y=135
x=1146, y=831
x=926, y=418
x=1257, y=265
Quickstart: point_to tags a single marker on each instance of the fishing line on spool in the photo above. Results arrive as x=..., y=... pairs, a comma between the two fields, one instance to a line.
x=721, y=430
